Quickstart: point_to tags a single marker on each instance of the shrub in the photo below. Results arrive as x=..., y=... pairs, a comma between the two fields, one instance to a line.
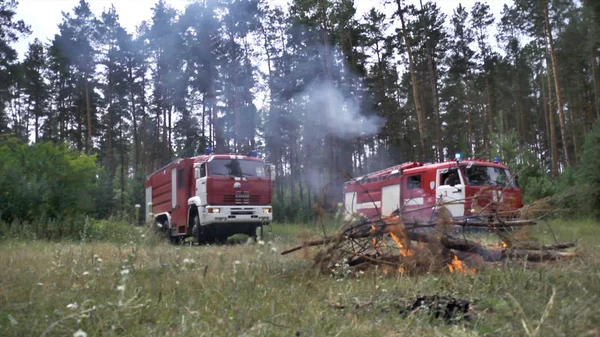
x=588, y=175
x=44, y=179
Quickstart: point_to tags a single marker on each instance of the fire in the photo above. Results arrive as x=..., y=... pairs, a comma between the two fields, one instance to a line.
x=503, y=244
x=403, y=250
x=456, y=266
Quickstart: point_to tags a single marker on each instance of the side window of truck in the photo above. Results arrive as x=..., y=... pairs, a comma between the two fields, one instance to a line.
x=413, y=182
x=202, y=171
x=180, y=179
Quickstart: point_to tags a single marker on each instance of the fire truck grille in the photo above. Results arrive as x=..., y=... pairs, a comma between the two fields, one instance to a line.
x=233, y=199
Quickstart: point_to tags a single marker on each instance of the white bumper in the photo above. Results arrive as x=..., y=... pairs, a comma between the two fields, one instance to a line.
x=236, y=214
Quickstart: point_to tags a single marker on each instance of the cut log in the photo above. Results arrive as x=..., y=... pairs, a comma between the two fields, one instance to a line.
x=538, y=255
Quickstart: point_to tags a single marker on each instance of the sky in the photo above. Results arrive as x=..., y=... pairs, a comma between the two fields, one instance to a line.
x=44, y=15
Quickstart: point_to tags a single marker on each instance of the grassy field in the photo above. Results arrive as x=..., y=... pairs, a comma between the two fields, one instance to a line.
x=146, y=289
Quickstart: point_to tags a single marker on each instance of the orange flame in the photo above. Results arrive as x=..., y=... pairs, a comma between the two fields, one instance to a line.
x=403, y=250
x=503, y=244
x=456, y=266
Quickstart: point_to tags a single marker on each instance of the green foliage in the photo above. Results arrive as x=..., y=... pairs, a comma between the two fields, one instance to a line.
x=284, y=211
x=44, y=179
x=588, y=176
x=75, y=228
x=538, y=188
x=521, y=160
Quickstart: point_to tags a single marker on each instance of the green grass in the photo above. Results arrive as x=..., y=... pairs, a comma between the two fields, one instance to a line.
x=142, y=288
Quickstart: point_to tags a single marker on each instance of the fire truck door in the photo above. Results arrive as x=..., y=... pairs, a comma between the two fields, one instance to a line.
x=390, y=199
x=200, y=173
x=413, y=198
x=451, y=190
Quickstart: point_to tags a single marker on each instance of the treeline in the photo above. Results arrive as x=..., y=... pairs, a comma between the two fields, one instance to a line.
x=319, y=91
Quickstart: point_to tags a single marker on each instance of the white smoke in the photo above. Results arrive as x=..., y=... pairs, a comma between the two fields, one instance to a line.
x=329, y=109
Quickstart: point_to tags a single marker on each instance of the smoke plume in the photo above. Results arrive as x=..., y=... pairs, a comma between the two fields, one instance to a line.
x=337, y=112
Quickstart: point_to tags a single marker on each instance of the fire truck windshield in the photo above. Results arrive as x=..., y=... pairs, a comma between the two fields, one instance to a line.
x=481, y=175
x=236, y=168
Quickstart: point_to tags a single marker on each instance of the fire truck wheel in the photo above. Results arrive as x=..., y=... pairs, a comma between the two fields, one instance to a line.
x=197, y=231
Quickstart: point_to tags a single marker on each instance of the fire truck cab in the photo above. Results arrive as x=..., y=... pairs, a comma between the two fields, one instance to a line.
x=465, y=188
x=210, y=197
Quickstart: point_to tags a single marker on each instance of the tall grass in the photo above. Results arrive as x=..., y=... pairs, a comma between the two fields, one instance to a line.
x=149, y=288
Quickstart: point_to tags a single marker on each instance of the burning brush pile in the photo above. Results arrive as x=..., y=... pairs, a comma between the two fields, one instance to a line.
x=396, y=247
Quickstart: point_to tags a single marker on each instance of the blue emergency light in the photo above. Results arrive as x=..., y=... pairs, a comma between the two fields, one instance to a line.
x=496, y=160
x=457, y=156
x=208, y=150
x=254, y=153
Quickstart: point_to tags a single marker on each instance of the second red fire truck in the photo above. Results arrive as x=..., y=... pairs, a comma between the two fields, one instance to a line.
x=466, y=188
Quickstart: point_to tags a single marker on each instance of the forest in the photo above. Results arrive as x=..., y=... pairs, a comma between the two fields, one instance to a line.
x=319, y=91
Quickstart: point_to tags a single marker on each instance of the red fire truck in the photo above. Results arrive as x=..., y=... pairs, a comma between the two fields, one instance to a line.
x=210, y=197
x=466, y=188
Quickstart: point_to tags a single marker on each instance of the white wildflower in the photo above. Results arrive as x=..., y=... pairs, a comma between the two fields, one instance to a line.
x=186, y=261
x=99, y=260
x=86, y=273
x=274, y=249
x=12, y=320
x=72, y=306
x=125, y=272
x=80, y=333
x=40, y=284
x=237, y=262
x=121, y=288
x=261, y=242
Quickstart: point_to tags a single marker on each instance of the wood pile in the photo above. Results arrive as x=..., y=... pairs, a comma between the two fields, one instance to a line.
x=397, y=247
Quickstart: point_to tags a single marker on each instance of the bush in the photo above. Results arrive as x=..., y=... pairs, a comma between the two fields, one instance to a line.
x=73, y=228
x=538, y=188
x=44, y=179
x=588, y=175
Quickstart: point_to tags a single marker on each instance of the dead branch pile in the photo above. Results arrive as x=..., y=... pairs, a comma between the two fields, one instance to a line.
x=394, y=246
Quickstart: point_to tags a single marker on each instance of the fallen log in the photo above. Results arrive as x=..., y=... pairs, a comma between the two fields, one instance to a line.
x=538, y=255
x=496, y=224
x=532, y=245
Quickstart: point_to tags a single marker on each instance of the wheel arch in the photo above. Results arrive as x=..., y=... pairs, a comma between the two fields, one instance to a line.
x=162, y=219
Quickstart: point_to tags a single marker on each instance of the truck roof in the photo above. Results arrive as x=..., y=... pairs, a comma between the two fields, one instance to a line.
x=415, y=167
x=202, y=158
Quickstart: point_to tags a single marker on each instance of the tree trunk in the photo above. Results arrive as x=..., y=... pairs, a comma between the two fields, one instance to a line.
x=596, y=84
x=490, y=129
x=88, y=109
x=122, y=153
x=134, y=122
x=330, y=139
x=415, y=84
x=111, y=154
x=545, y=111
x=561, y=113
x=236, y=103
x=469, y=122
x=436, y=108
x=551, y=116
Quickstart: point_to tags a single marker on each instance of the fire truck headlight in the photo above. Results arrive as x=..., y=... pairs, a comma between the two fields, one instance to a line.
x=267, y=210
x=214, y=210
